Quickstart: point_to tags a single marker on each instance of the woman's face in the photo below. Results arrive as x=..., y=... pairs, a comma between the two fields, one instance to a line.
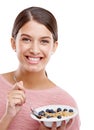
x=34, y=45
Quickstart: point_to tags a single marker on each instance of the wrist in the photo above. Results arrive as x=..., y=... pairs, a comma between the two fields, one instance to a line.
x=5, y=121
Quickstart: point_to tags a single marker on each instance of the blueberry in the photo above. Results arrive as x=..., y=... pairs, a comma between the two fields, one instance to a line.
x=41, y=113
x=48, y=116
x=70, y=110
x=59, y=117
x=47, y=110
x=64, y=109
x=59, y=109
x=50, y=111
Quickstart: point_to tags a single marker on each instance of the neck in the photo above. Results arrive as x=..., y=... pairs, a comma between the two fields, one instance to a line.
x=32, y=79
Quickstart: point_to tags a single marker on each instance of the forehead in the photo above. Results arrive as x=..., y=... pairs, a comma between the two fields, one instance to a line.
x=34, y=28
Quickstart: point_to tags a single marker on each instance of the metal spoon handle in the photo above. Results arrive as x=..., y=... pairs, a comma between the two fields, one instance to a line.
x=35, y=113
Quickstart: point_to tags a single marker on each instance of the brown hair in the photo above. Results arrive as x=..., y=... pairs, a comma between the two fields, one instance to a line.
x=38, y=14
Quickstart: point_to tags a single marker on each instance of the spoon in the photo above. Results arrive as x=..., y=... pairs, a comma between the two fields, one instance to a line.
x=35, y=113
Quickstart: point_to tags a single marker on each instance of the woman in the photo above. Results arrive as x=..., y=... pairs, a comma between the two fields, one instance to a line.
x=34, y=39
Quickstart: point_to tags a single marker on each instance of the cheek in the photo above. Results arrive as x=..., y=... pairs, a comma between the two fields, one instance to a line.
x=20, y=53
x=47, y=50
x=21, y=49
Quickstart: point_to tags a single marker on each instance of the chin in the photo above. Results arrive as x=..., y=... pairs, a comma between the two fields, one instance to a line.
x=34, y=70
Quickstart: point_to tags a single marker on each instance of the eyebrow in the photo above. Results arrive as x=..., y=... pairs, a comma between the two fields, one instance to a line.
x=25, y=35
x=31, y=36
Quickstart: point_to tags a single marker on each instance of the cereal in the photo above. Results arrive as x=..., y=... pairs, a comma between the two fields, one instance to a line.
x=58, y=113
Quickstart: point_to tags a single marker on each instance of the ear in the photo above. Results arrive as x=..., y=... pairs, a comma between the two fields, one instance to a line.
x=55, y=45
x=13, y=44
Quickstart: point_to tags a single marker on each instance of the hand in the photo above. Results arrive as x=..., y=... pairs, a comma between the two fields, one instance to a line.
x=16, y=98
x=63, y=126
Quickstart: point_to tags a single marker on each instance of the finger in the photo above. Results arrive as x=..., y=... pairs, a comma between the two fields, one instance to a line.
x=19, y=86
x=69, y=123
x=63, y=125
x=43, y=127
x=21, y=97
x=16, y=94
x=16, y=101
x=54, y=126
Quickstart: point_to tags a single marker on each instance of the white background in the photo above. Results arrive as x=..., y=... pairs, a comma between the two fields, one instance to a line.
x=72, y=66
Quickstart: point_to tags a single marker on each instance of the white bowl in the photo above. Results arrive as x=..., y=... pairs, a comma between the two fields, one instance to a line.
x=48, y=121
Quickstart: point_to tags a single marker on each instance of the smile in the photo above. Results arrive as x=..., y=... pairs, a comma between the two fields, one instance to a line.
x=34, y=60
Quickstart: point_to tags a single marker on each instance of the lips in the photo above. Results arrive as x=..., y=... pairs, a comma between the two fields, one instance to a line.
x=33, y=60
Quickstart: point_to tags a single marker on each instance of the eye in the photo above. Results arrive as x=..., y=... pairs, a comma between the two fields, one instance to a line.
x=44, y=41
x=26, y=40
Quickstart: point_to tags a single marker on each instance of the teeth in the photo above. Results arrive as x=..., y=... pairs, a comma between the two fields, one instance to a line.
x=34, y=59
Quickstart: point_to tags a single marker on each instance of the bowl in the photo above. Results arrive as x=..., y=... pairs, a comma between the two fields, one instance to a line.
x=54, y=113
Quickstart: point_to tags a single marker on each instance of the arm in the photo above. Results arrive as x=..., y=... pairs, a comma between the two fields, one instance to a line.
x=16, y=98
x=5, y=122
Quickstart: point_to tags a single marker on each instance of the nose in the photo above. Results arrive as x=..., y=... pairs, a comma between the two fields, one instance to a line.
x=34, y=48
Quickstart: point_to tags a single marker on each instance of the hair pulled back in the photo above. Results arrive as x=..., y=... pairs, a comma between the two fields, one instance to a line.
x=38, y=14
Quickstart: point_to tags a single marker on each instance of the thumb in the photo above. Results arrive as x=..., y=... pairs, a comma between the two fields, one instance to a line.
x=20, y=83
x=19, y=86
